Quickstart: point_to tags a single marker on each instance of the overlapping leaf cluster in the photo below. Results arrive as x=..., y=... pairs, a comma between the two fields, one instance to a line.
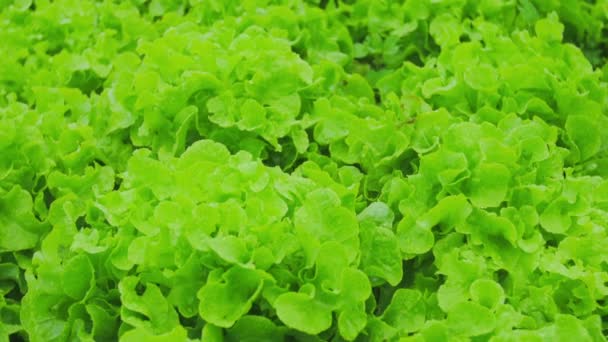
x=262, y=170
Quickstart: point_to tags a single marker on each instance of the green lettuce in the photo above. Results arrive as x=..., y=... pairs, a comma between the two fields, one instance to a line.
x=303, y=170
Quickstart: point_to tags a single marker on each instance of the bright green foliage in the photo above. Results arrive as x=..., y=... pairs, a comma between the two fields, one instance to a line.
x=303, y=170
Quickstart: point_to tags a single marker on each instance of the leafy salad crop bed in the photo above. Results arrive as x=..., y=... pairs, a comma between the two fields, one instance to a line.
x=269, y=170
